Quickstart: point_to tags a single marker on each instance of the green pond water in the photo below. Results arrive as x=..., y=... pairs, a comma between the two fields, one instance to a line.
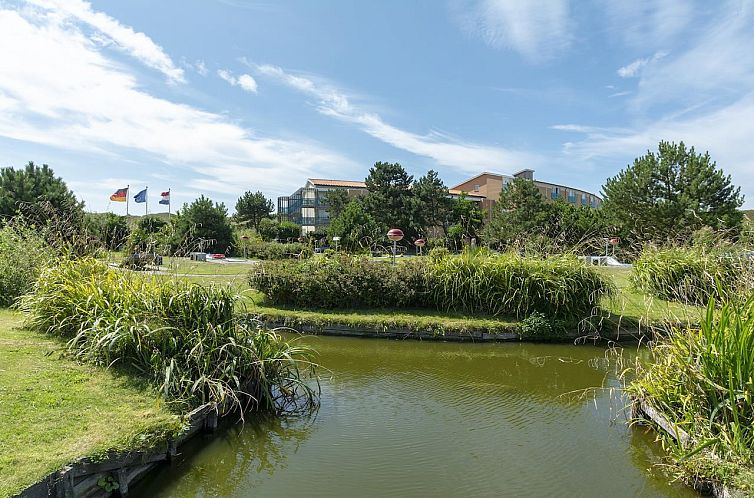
x=418, y=419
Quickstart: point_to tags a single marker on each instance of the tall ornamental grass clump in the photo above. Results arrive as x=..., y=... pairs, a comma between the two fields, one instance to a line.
x=184, y=338
x=514, y=285
x=702, y=380
x=510, y=285
x=23, y=254
x=693, y=275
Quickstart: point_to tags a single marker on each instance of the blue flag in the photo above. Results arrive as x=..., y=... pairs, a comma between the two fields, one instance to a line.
x=141, y=196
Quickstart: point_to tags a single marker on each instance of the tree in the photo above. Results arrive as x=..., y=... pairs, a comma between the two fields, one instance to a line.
x=355, y=227
x=34, y=185
x=336, y=201
x=148, y=234
x=670, y=194
x=431, y=206
x=465, y=219
x=270, y=229
x=112, y=230
x=252, y=208
x=520, y=211
x=390, y=199
x=204, y=224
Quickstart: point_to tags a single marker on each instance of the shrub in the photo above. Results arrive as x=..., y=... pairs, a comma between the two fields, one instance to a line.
x=438, y=253
x=23, y=254
x=276, y=250
x=341, y=282
x=692, y=275
x=185, y=338
x=511, y=285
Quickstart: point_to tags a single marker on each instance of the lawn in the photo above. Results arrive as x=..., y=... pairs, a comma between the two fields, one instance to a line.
x=55, y=410
x=187, y=267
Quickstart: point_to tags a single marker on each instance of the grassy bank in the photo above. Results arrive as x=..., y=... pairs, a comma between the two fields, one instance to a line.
x=55, y=410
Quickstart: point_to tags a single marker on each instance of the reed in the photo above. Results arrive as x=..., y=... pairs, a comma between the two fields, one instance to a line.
x=702, y=380
x=185, y=338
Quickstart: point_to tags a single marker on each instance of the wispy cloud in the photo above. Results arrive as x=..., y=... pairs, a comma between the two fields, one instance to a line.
x=444, y=150
x=536, y=29
x=648, y=23
x=136, y=44
x=84, y=101
x=634, y=69
x=245, y=81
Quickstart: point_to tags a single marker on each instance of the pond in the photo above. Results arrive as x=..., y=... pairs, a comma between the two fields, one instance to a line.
x=416, y=419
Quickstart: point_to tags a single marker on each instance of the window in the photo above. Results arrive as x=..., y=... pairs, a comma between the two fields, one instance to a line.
x=477, y=187
x=583, y=199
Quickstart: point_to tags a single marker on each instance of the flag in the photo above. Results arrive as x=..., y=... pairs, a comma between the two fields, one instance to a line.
x=120, y=195
x=165, y=198
x=141, y=196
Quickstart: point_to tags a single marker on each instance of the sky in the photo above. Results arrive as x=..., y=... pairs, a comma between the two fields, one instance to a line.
x=217, y=97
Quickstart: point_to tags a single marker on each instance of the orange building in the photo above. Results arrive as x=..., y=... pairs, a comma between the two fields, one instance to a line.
x=489, y=185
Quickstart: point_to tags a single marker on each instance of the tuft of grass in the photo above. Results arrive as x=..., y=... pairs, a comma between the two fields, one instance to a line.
x=702, y=380
x=693, y=275
x=55, y=410
x=186, y=339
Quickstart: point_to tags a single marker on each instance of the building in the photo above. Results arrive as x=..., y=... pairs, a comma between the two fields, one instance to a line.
x=489, y=186
x=308, y=206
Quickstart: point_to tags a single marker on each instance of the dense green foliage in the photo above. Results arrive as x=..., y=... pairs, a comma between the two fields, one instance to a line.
x=525, y=220
x=464, y=220
x=110, y=229
x=256, y=249
x=183, y=337
x=700, y=379
x=389, y=200
x=202, y=225
x=356, y=228
x=507, y=285
x=252, y=208
x=149, y=234
x=23, y=254
x=341, y=282
x=671, y=193
x=34, y=185
x=270, y=229
x=693, y=275
x=431, y=205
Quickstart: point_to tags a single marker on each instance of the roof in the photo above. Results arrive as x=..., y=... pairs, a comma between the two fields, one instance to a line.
x=486, y=173
x=453, y=191
x=337, y=183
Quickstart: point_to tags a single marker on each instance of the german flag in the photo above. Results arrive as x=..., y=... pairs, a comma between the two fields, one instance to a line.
x=120, y=195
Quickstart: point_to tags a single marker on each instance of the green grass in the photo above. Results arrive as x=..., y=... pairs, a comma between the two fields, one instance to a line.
x=188, y=267
x=628, y=308
x=55, y=411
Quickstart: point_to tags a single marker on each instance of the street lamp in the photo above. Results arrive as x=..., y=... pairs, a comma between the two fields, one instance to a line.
x=420, y=243
x=395, y=234
x=336, y=239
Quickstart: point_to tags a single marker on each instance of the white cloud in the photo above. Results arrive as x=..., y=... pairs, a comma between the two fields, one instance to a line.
x=444, y=150
x=245, y=81
x=726, y=133
x=648, y=23
x=537, y=29
x=83, y=101
x=136, y=44
x=634, y=69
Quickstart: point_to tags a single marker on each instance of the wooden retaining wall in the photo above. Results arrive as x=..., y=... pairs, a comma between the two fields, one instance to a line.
x=80, y=479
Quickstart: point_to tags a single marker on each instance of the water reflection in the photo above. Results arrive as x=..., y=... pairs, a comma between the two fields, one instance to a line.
x=402, y=418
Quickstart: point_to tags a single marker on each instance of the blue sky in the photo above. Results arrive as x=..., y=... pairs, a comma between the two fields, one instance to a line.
x=219, y=97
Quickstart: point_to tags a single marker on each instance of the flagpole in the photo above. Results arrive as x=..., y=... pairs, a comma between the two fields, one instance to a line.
x=170, y=200
x=146, y=201
x=128, y=194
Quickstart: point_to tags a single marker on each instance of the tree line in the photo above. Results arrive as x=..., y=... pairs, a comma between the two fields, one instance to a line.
x=673, y=194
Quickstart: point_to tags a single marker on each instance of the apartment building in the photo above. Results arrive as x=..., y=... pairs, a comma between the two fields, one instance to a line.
x=489, y=185
x=308, y=205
